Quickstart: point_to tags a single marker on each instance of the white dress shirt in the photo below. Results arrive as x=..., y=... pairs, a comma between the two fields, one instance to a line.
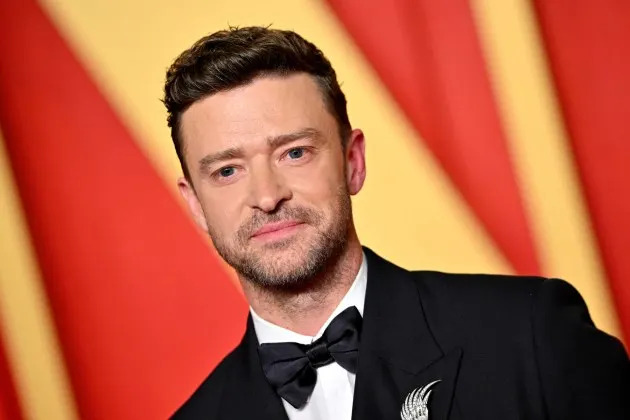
x=334, y=389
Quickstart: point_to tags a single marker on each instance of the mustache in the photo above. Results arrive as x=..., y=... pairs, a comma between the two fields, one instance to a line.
x=259, y=219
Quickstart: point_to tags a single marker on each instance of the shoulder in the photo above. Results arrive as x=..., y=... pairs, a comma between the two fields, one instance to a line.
x=503, y=318
x=459, y=308
x=205, y=401
x=482, y=294
x=539, y=303
x=473, y=309
x=463, y=285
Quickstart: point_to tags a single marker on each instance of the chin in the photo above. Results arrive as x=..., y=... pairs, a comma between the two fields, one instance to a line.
x=287, y=265
x=283, y=257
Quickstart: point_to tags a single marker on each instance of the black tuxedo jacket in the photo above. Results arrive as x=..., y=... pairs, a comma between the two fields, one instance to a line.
x=503, y=348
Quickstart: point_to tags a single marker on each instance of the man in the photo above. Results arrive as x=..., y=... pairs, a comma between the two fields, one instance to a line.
x=270, y=160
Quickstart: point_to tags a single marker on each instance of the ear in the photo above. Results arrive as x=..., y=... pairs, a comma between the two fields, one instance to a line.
x=355, y=161
x=194, y=206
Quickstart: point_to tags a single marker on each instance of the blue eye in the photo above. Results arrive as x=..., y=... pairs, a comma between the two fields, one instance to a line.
x=227, y=171
x=296, y=153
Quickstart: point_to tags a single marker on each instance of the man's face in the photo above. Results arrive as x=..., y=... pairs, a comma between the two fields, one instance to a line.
x=271, y=178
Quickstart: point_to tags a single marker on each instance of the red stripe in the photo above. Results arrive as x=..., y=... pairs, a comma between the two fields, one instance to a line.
x=427, y=53
x=142, y=308
x=9, y=404
x=588, y=48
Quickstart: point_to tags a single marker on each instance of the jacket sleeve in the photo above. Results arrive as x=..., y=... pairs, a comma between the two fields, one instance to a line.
x=584, y=372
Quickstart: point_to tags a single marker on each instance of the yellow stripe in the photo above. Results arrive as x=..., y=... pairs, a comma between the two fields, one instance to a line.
x=408, y=210
x=32, y=348
x=541, y=153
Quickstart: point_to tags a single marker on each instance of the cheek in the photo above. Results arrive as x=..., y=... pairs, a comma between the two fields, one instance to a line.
x=322, y=177
x=319, y=191
x=320, y=183
x=222, y=214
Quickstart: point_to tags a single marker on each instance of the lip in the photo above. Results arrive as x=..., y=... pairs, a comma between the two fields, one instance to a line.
x=275, y=227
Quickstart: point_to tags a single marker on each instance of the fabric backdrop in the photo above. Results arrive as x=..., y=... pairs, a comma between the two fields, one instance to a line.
x=496, y=142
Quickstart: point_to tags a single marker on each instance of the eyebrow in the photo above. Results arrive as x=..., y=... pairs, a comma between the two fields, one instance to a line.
x=282, y=139
x=273, y=142
x=209, y=160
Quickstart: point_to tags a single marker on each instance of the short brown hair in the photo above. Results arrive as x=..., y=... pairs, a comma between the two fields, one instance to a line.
x=234, y=57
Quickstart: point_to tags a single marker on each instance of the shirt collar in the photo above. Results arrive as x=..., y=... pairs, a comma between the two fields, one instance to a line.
x=268, y=332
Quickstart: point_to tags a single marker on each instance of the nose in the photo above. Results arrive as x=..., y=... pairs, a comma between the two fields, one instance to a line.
x=267, y=189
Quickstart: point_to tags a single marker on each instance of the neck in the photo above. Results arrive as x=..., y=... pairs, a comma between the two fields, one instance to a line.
x=305, y=311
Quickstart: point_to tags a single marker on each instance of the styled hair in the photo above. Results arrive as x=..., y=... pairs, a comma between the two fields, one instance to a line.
x=231, y=58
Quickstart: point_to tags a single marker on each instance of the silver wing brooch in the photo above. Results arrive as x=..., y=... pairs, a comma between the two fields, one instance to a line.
x=415, y=406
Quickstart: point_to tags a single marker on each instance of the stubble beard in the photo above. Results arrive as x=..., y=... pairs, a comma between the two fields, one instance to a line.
x=292, y=263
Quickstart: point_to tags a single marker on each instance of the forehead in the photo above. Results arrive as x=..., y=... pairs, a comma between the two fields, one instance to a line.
x=266, y=107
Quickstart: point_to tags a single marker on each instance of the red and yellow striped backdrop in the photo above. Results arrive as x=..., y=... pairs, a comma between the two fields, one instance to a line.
x=496, y=142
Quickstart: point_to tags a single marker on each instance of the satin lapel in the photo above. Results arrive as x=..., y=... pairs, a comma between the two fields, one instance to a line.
x=248, y=395
x=398, y=352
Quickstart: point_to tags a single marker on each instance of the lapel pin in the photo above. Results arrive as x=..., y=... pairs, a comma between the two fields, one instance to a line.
x=415, y=406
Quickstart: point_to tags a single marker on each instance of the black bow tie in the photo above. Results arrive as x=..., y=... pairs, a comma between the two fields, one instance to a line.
x=290, y=368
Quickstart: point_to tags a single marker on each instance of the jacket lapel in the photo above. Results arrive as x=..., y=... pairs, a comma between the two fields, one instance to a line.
x=398, y=352
x=247, y=394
